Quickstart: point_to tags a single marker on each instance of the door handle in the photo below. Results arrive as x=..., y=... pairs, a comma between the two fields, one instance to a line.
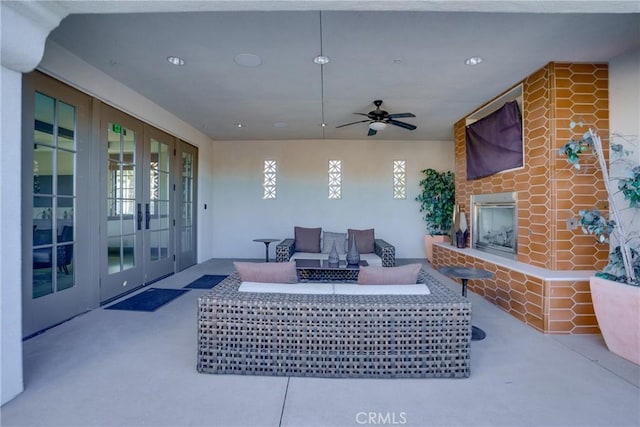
x=148, y=215
x=139, y=216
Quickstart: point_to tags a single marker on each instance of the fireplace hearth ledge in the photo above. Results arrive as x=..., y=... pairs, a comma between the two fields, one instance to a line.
x=542, y=273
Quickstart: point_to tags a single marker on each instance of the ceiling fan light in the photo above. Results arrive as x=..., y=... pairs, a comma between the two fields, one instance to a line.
x=377, y=125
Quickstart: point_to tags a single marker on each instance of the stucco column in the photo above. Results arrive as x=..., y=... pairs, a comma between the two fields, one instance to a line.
x=10, y=241
x=25, y=27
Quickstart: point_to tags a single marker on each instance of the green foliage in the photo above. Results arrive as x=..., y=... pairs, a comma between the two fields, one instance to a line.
x=437, y=200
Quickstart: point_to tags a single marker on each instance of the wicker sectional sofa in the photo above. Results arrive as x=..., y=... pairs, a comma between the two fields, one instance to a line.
x=286, y=249
x=330, y=335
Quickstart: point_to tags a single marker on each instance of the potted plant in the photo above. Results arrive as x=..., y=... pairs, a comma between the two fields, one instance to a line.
x=437, y=199
x=615, y=290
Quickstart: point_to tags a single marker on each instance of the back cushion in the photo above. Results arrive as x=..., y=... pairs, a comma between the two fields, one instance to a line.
x=307, y=239
x=273, y=272
x=339, y=238
x=364, y=240
x=389, y=275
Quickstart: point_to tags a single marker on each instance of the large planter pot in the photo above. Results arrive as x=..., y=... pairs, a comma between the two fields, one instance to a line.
x=429, y=240
x=617, y=308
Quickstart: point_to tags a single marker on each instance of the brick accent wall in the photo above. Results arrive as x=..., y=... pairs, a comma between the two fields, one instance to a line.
x=550, y=306
x=549, y=192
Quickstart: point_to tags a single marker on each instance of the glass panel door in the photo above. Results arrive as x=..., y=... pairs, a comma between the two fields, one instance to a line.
x=123, y=220
x=139, y=245
x=187, y=223
x=186, y=230
x=158, y=214
x=56, y=275
x=54, y=158
x=121, y=198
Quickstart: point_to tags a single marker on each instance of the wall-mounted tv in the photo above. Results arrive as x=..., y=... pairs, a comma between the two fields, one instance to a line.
x=494, y=143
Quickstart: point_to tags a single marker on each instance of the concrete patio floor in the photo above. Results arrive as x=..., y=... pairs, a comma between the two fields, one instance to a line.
x=125, y=368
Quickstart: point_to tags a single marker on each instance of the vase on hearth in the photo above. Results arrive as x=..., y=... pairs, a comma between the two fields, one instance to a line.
x=353, y=256
x=455, y=224
x=334, y=259
x=462, y=233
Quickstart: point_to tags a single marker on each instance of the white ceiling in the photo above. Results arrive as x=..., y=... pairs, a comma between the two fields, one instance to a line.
x=413, y=60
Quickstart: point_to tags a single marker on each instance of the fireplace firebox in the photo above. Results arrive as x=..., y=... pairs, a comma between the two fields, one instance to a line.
x=494, y=224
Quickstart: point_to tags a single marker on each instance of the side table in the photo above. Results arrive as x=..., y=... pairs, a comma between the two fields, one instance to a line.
x=266, y=246
x=464, y=274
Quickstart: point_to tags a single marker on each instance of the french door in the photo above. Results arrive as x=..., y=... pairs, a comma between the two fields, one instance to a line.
x=158, y=194
x=186, y=221
x=138, y=208
x=109, y=203
x=56, y=276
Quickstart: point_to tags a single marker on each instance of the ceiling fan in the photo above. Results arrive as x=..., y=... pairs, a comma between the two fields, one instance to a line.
x=379, y=119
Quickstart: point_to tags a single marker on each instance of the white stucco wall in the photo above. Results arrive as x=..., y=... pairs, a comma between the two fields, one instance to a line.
x=624, y=94
x=10, y=236
x=624, y=118
x=241, y=214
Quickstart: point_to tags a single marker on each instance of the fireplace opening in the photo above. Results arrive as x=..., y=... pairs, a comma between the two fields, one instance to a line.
x=494, y=225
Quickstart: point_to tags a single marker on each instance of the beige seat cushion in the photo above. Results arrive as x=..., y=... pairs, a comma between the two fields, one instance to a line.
x=389, y=275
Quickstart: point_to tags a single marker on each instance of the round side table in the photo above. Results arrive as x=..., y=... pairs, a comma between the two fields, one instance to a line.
x=464, y=274
x=266, y=246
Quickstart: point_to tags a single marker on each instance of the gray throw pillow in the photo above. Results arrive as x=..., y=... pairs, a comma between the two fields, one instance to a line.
x=340, y=239
x=365, y=240
x=307, y=239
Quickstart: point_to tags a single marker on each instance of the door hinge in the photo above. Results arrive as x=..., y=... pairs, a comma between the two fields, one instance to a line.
x=174, y=222
x=174, y=257
x=174, y=152
x=174, y=187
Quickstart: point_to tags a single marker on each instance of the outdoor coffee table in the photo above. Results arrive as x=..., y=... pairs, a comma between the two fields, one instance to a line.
x=319, y=270
x=464, y=274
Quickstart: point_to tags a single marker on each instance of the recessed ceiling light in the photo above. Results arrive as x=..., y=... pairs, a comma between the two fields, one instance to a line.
x=474, y=60
x=238, y=125
x=247, y=60
x=397, y=61
x=321, y=60
x=175, y=60
x=324, y=125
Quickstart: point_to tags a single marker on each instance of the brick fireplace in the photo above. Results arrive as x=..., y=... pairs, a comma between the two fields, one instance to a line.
x=547, y=285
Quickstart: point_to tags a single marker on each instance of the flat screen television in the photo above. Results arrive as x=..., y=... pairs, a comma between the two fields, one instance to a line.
x=494, y=143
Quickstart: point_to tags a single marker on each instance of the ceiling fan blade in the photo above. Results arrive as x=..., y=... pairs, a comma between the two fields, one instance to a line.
x=352, y=123
x=403, y=124
x=372, y=132
x=400, y=115
x=363, y=114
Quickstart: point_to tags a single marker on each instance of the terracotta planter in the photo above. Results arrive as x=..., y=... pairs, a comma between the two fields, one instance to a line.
x=617, y=308
x=429, y=240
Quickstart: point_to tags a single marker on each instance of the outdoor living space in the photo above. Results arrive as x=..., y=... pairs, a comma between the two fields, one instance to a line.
x=128, y=368
x=137, y=162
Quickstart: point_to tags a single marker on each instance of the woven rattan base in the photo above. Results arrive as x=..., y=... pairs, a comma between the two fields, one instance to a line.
x=362, y=336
